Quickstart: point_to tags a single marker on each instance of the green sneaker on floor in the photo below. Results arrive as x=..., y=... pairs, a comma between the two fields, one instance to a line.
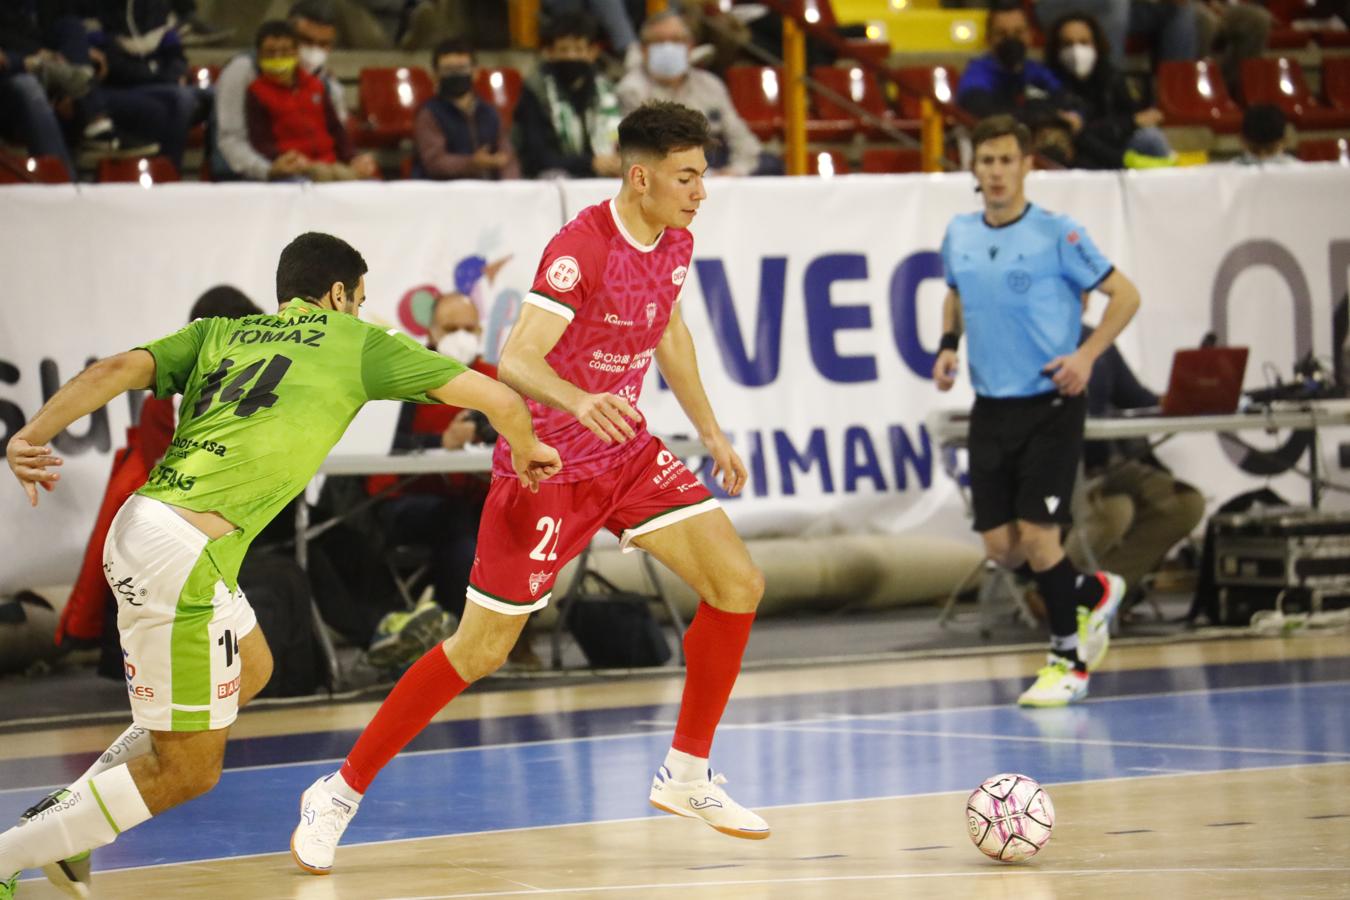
x=1094, y=625
x=7, y=888
x=1057, y=684
x=402, y=637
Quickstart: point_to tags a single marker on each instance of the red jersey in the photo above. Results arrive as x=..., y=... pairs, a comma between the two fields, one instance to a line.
x=617, y=296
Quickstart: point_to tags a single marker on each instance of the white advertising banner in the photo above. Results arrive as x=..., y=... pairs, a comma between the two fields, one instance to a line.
x=815, y=305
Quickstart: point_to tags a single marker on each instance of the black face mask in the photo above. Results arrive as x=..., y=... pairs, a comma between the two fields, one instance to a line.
x=1010, y=53
x=574, y=75
x=454, y=85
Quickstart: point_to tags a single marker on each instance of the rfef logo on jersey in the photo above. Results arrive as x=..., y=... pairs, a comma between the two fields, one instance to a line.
x=564, y=273
x=677, y=277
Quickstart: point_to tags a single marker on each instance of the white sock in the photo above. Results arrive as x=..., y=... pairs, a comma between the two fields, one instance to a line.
x=338, y=785
x=97, y=810
x=686, y=767
x=129, y=745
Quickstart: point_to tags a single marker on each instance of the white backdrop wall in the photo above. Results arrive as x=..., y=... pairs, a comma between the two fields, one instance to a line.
x=815, y=304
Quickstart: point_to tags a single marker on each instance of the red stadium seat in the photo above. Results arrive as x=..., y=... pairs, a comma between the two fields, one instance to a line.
x=937, y=83
x=389, y=100
x=1279, y=81
x=1327, y=150
x=1336, y=81
x=1193, y=93
x=827, y=163
x=501, y=87
x=858, y=85
x=880, y=160
x=32, y=170
x=146, y=170
x=757, y=93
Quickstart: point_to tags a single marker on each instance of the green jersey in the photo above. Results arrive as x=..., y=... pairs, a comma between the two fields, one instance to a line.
x=264, y=400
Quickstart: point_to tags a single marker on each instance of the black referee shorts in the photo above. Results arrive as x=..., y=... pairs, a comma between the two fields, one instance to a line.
x=1024, y=455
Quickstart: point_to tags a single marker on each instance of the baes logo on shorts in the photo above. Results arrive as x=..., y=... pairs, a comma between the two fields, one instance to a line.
x=564, y=273
x=537, y=580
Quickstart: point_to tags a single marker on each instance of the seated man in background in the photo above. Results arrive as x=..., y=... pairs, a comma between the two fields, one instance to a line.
x=232, y=156
x=1004, y=81
x=665, y=74
x=289, y=111
x=567, y=123
x=1138, y=510
x=1265, y=135
x=456, y=134
x=439, y=512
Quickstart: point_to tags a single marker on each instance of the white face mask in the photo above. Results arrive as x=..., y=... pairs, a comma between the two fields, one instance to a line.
x=459, y=345
x=1080, y=59
x=668, y=59
x=312, y=58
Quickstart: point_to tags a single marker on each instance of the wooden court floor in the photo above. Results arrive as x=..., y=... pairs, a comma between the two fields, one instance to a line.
x=1208, y=769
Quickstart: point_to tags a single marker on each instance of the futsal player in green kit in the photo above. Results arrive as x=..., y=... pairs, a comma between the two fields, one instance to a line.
x=264, y=400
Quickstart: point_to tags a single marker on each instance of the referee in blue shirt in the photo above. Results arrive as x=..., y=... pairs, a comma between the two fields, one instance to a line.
x=1018, y=277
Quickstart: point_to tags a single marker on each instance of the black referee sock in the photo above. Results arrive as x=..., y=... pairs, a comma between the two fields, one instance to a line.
x=1063, y=580
x=1061, y=586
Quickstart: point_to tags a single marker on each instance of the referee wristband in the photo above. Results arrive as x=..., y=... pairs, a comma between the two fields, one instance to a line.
x=950, y=341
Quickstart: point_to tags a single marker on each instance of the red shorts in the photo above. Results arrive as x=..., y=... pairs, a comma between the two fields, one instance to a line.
x=524, y=539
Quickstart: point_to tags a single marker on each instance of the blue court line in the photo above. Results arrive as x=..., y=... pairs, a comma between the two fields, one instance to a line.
x=582, y=723
x=605, y=777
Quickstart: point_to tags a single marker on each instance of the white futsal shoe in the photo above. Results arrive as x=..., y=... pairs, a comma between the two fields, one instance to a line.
x=1056, y=684
x=1094, y=626
x=705, y=799
x=323, y=817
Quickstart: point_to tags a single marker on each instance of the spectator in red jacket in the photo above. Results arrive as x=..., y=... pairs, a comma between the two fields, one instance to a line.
x=290, y=113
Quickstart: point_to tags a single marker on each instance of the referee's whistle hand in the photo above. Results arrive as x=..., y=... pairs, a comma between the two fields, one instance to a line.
x=945, y=368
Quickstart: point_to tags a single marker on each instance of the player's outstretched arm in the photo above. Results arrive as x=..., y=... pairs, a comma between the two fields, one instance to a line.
x=29, y=459
x=678, y=362
x=524, y=367
x=1071, y=373
x=533, y=461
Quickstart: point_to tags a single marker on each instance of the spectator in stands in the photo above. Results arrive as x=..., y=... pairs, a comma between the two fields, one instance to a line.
x=1004, y=80
x=1265, y=137
x=1119, y=120
x=1232, y=32
x=1137, y=511
x=567, y=123
x=456, y=134
x=49, y=100
x=232, y=156
x=1168, y=26
x=439, y=512
x=145, y=80
x=618, y=18
x=666, y=74
x=289, y=111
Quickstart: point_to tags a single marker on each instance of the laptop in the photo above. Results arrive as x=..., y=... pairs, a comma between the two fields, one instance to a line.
x=1205, y=382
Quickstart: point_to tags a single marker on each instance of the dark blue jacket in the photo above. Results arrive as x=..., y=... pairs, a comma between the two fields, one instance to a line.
x=988, y=89
x=461, y=135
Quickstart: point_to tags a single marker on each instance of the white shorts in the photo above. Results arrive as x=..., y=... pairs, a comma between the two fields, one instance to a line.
x=180, y=624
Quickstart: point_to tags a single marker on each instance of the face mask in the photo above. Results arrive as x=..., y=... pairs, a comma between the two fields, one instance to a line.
x=668, y=59
x=283, y=67
x=459, y=345
x=312, y=58
x=1080, y=59
x=454, y=85
x=1010, y=53
x=571, y=74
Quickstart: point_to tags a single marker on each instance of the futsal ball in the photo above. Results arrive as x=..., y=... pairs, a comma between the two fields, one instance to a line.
x=1009, y=817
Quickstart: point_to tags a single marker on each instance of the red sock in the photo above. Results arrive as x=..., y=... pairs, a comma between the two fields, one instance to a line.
x=423, y=691
x=713, y=647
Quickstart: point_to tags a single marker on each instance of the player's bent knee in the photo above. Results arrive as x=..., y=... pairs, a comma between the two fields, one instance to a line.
x=738, y=591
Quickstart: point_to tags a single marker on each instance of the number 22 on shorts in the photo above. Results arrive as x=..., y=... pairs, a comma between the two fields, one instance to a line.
x=551, y=529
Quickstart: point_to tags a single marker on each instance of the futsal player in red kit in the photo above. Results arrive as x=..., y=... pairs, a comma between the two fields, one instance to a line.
x=604, y=305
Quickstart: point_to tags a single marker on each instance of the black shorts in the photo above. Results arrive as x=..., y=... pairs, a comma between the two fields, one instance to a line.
x=1024, y=456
